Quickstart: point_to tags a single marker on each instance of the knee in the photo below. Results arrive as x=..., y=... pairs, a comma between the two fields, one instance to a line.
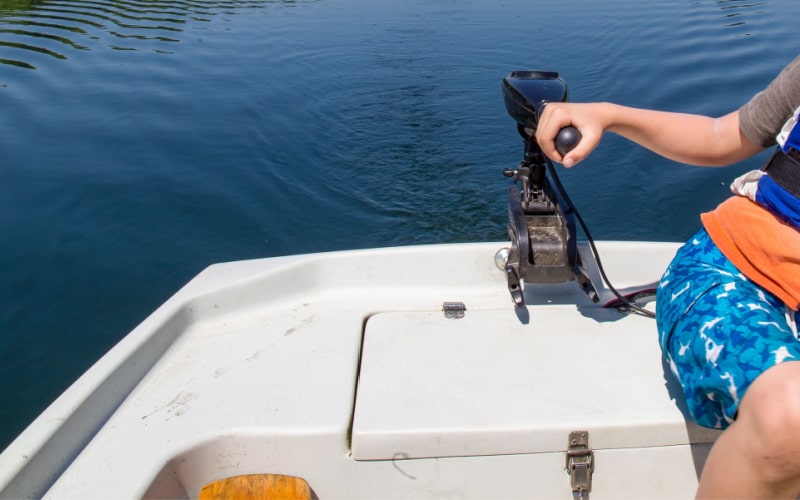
x=773, y=400
x=770, y=415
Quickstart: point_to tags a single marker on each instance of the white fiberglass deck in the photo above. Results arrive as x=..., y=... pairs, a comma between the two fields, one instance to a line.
x=258, y=367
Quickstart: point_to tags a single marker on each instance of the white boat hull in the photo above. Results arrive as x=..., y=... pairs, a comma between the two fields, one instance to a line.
x=264, y=366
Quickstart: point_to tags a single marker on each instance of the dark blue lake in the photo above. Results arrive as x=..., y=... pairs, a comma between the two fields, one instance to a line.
x=141, y=141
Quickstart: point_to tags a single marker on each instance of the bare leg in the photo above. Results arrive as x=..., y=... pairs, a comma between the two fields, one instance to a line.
x=758, y=456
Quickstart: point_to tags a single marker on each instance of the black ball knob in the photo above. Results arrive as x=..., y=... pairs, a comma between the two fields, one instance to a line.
x=567, y=139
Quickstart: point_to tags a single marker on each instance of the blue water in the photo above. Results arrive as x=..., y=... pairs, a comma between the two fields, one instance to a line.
x=141, y=141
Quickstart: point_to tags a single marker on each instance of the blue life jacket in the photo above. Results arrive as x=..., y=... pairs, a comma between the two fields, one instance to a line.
x=779, y=190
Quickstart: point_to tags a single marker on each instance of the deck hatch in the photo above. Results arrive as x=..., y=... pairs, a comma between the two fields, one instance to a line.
x=489, y=385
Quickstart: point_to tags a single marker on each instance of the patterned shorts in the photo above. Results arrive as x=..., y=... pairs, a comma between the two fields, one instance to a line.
x=718, y=330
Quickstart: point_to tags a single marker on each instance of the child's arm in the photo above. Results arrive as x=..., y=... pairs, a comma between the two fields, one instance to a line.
x=686, y=138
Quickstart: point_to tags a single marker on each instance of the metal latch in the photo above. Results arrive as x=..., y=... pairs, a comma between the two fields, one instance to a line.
x=580, y=464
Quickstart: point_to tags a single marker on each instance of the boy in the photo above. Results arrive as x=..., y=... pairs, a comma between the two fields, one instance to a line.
x=726, y=305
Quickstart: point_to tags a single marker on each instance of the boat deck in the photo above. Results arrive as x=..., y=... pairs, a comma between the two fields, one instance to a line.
x=341, y=368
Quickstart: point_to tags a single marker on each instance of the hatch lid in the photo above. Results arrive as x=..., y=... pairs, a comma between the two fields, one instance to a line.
x=489, y=384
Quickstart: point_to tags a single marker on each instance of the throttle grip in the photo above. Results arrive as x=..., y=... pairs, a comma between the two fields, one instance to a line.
x=567, y=139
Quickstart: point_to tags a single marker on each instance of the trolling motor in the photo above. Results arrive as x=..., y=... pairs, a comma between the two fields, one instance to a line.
x=541, y=219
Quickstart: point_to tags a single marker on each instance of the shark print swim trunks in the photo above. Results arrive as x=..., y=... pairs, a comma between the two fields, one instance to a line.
x=719, y=330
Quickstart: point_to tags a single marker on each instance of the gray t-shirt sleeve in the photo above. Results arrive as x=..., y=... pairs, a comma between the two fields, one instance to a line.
x=763, y=116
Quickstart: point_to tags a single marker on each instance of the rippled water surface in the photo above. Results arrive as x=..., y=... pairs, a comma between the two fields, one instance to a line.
x=141, y=141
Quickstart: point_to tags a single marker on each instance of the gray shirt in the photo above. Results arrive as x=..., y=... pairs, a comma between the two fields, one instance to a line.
x=763, y=116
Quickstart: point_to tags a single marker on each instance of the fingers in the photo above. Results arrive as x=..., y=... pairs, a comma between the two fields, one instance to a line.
x=559, y=115
x=546, y=131
x=589, y=140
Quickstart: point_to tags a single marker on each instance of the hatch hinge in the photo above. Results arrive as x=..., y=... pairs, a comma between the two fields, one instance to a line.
x=454, y=310
x=580, y=464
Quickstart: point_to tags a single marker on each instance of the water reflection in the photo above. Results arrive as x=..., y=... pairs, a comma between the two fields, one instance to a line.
x=734, y=9
x=10, y=5
x=56, y=28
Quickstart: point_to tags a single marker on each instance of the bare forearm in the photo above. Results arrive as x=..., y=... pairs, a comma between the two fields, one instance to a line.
x=693, y=139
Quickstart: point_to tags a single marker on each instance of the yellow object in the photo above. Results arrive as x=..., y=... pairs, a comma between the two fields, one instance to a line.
x=262, y=486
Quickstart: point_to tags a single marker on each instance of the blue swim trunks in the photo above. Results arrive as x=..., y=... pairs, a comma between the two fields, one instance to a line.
x=719, y=330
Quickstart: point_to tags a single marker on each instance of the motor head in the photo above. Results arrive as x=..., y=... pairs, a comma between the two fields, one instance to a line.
x=526, y=92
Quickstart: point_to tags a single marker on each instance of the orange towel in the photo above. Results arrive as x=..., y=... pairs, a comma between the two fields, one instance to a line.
x=760, y=245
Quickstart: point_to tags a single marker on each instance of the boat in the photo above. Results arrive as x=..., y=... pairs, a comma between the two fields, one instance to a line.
x=469, y=370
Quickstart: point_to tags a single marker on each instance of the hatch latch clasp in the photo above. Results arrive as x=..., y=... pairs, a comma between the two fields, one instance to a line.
x=580, y=464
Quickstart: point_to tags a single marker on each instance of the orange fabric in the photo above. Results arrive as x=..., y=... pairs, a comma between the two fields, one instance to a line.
x=760, y=245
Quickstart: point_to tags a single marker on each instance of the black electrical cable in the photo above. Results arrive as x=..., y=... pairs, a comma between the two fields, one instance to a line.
x=630, y=305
